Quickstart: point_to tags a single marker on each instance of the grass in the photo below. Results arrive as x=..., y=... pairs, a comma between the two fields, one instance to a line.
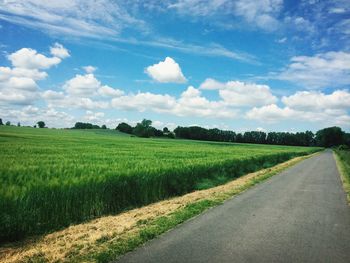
x=107, y=238
x=343, y=162
x=53, y=178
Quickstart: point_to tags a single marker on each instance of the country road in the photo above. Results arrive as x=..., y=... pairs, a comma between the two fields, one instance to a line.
x=300, y=215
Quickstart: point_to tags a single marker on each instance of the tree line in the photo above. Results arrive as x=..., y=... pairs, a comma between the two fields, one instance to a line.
x=86, y=125
x=144, y=129
x=39, y=124
x=326, y=137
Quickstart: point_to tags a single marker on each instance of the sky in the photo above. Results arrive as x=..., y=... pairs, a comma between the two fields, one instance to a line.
x=267, y=65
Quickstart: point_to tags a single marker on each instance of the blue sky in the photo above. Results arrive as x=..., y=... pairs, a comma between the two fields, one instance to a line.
x=269, y=65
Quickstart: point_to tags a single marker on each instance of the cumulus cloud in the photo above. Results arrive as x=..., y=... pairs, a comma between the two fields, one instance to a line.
x=82, y=85
x=7, y=72
x=166, y=71
x=110, y=92
x=273, y=113
x=28, y=58
x=59, y=51
x=236, y=93
x=330, y=69
x=143, y=101
x=308, y=106
x=61, y=100
x=82, y=91
x=88, y=85
x=315, y=100
x=52, y=95
x=190, y=103
x=270, y=113
x=18, y=84
x=93, y=116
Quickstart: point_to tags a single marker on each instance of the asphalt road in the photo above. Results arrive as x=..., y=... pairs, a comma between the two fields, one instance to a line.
x=300, y=215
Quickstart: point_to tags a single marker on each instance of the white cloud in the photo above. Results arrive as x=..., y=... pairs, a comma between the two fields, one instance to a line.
x=18, y=84
x=212, y=84
x=30, y=115
x=7, y=72
x=82, y=85
x=61, y=100
x=102, y=20
x=282, y=40
x=343, y=27
x=331, y=69
x=52, y=95
x=86, y=18
x=28, y=58
x=59, y=51
x=262, y=13
x=315, y=100
x=90, y=69
x=108, y=91
x=299, y=23
x=166, y=71
x=88, y=85
x=82, y=91
x=337, y=10
x=144, y=101
x=190, y=103
x=272, y=113
x=236, y=93
x=94, y=116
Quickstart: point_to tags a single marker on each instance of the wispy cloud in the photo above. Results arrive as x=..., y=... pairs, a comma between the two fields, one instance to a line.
x=76, y=17
x=103, y=20
x=330, y=69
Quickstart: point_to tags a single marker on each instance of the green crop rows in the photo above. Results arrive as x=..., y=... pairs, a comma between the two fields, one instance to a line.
x=52, y=178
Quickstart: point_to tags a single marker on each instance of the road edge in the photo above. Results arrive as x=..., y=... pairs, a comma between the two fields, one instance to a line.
x=344, y=179
x=164, y=224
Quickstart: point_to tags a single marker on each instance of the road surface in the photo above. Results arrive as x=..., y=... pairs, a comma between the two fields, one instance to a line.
x=300, y=215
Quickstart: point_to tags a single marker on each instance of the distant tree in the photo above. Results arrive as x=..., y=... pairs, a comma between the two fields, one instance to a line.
x=347, y=139
x=331, y=136
x=124, y=127
x=144, y=129
x=170, y=135
x=83, y=125
x=1, y=122
x=166, y=130
x=104, y=127
x=41, y=124
x=18, y=124
x=34, y=126
x=156, y=132
x=8, y=123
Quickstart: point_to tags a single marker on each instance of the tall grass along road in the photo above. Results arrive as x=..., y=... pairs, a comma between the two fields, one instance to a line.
x=300, y=215
x=54, y=178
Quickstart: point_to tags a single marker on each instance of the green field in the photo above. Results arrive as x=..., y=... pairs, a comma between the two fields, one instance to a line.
x=52, y=178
